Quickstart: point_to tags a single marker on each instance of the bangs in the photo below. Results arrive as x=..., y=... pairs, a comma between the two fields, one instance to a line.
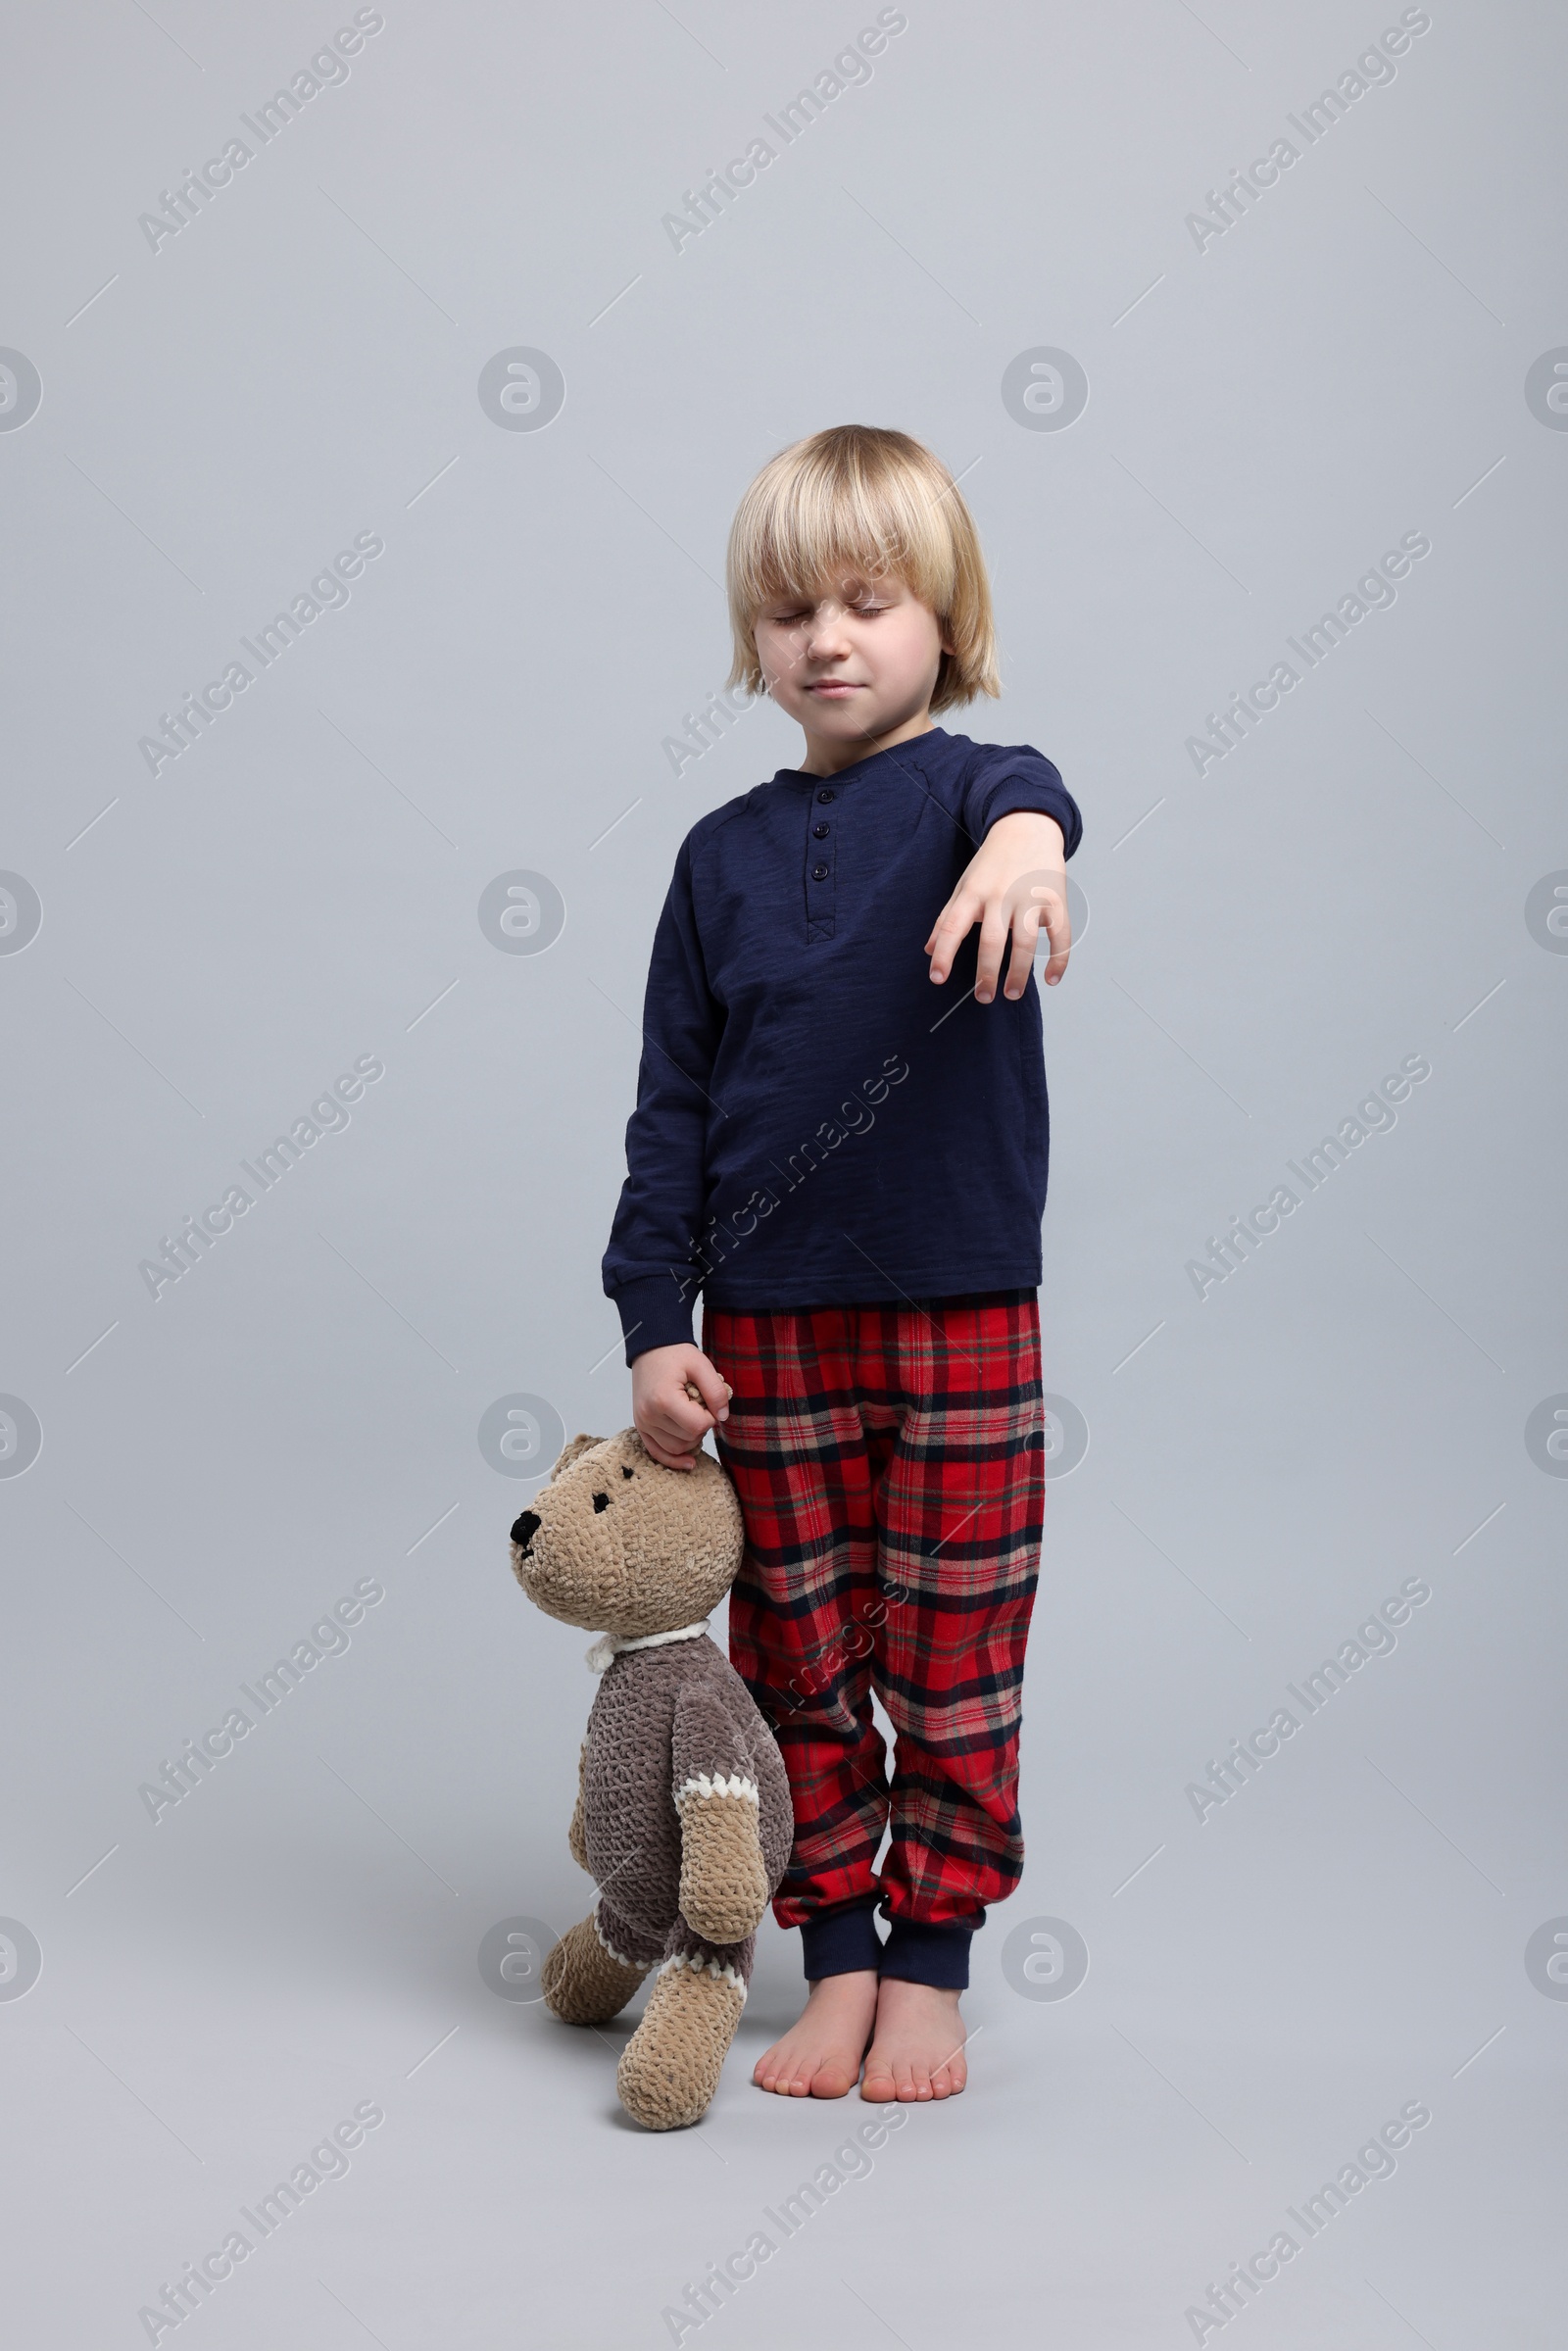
x=818, y=515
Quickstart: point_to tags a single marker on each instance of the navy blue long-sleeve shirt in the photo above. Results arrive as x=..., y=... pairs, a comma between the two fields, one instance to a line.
x=816, y=1122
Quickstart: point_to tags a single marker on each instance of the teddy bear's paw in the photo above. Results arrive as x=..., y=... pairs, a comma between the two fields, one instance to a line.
x=669, y=2069
x=583, y=1983
x=724, y=1879
x=727, y=1914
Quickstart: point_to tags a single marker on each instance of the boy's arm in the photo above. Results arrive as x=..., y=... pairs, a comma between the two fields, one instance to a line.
x=1027, y=824
x=648, y=1267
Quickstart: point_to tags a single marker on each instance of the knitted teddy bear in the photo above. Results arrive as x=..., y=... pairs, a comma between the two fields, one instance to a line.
x=683, y=1816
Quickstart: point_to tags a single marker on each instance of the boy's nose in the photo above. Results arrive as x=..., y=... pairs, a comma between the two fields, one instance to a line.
x=526, y=1529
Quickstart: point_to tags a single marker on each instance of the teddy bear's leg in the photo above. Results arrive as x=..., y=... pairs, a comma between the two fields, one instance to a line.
x=669, y=2069
x=596, y=1967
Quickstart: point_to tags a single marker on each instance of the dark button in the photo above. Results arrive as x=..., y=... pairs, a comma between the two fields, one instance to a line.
x=819, y=832
x=819, y=874
x=825, y=795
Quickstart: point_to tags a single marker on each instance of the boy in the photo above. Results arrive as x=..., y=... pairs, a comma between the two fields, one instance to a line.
x=852, y=1171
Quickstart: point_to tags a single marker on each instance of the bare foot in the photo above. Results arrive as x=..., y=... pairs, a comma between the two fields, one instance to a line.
x=919, y=2048
x=819, y=2057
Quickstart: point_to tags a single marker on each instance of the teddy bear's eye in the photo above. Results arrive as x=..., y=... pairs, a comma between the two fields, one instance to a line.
x=628, y=1473
x=601, y=1501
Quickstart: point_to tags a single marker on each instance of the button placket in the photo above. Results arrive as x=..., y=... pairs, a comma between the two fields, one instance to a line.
x=821, y=859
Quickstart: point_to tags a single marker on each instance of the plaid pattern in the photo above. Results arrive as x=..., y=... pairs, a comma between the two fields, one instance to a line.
x=890, y=1462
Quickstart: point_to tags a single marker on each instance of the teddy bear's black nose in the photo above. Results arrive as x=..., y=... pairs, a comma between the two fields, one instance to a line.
x=526, y=1529
x=600, y=1503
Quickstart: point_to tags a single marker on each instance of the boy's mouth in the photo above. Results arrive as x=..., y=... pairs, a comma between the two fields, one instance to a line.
x=833, y=689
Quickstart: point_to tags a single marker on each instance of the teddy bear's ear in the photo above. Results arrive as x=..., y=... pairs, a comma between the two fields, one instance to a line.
x=578, y=1444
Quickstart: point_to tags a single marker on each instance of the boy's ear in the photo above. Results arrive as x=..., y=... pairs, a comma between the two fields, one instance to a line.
x=578, y=1444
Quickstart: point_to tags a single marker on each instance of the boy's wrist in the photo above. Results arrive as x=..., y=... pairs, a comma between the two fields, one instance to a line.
x=1032, y=827
x=653, y=1313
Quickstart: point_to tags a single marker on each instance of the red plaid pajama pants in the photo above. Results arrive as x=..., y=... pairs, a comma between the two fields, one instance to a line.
x=890, y=1462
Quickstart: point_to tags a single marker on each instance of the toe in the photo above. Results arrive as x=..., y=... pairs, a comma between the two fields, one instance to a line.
x=878, y=2084
x=831, y=2080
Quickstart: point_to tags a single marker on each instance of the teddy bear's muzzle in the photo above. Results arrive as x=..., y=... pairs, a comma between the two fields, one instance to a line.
x=524, y=1531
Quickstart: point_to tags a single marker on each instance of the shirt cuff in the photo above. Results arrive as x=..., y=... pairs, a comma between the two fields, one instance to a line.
x=653, y=1313
x=1047, y=800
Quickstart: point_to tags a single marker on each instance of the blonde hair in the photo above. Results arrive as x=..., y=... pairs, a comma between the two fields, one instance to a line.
x=860, y=499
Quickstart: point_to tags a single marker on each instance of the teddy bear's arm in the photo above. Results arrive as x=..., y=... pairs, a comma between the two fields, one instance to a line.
x=723, y=1880
x=575, y=1838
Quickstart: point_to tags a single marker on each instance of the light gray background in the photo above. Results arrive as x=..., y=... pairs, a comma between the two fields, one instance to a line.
x=1347, y=888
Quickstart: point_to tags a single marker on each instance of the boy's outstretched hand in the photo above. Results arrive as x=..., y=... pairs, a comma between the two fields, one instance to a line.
x=1018, y=873
x=669, y=1418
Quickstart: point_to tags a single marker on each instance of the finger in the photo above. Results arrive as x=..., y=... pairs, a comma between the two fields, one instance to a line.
x=1026, y=924
x=1058, y=925
x=677, y=1432
x=931, y=935
x=960, y=911
x=993, y=941
x=952, y=926
x=706, y=1388
x=667, y=1438
x=665, y=1458
x=677, y=1413
x=1039, y=901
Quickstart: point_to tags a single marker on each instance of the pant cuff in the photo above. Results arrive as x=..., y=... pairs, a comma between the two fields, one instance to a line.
x=841, y=1940
x=919, y=1953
